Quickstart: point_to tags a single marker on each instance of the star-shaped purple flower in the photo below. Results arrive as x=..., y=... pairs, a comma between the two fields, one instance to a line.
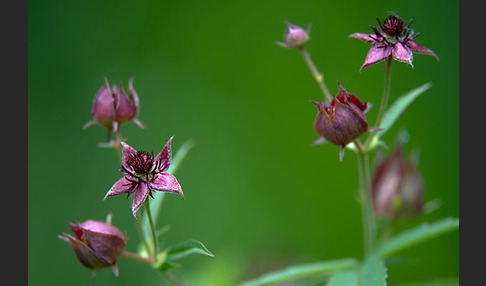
x=143, y=174
x=395, y=39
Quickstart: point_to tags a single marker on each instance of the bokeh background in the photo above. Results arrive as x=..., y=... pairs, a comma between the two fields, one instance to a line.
x=256, y=193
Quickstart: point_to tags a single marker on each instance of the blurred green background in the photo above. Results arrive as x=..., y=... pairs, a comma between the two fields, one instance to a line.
x=256, y=193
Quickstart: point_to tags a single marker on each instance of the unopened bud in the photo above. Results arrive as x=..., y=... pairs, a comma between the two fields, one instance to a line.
x=111, y=107
x=294, y=36
x=343, y=120
x=397, y=187
x=96, y=244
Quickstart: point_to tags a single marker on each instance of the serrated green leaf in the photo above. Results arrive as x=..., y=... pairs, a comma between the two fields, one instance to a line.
x=396, y=109
x=417, y=235
x=372, y=272
x=303, y=270
x=186, y=248
x=344, y=278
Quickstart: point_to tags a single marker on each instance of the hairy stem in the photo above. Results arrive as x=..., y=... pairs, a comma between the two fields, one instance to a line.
x=384, y=99
x=152, y=229
x=142, y=235
x=369, y=223
x=170, y=276
x=134, y=256
x=317, y=75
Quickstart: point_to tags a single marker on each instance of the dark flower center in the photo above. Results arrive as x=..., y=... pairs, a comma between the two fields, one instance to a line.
x=141, y=162
x=393, y=30
x=393, y=26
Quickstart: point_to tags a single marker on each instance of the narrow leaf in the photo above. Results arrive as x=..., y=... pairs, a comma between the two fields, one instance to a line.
x=436, y=282
x=156, y=202
x=186, y=248
x=344, y=278
x=167, y=265
x=161, y=233
x=396, y=109
x=303, y=270
x=417, y=235
x=373, y=272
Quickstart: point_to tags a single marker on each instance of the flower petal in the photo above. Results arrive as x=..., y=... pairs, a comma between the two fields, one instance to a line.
x=140, y=197
x=125, y=110
x=402, y=53
x=133, y=93
x=107, y=247
x=363, y=37
x=377, y=53
x=416, y=48
x=104, y=104
x=164, y=157
x=165, y=182
x=123, y=186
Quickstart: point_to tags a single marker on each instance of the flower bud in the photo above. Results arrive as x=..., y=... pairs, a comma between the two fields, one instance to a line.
x=103, y=109
x=343, y=120
x=294, y=36
x=397, y=187
x=112, y=107
x=96, y=244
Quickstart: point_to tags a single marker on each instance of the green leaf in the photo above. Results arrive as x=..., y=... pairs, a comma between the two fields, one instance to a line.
x=186, y=248
x=166, y=258
x=161, y=233
x=417, y=235
x=396, y=109
x=344, y=278
x=167, y=265
x=156, y=202
x=303, y=270
x=373, y=272
x=436, y=282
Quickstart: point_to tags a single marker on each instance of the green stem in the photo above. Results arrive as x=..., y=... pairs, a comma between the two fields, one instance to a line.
x=387, y=231
x=152, y=228
x=384, y=100
x=369, y=223
x=118, y=140
x=142, y=234
x=134, y=256
x=317, y=75
x=170, y=276
x=119, y=149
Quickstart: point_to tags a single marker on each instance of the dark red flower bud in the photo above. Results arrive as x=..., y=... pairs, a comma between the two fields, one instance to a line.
x=343, y=120
x=111, y=107
x=96, y=244
x=294, y=36
x=397, y=187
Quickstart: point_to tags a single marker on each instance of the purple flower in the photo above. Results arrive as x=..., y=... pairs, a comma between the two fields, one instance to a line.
x=395, y=39
x=143, y=174
x=294, y=36
x=113, y=107
x=96, y=244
